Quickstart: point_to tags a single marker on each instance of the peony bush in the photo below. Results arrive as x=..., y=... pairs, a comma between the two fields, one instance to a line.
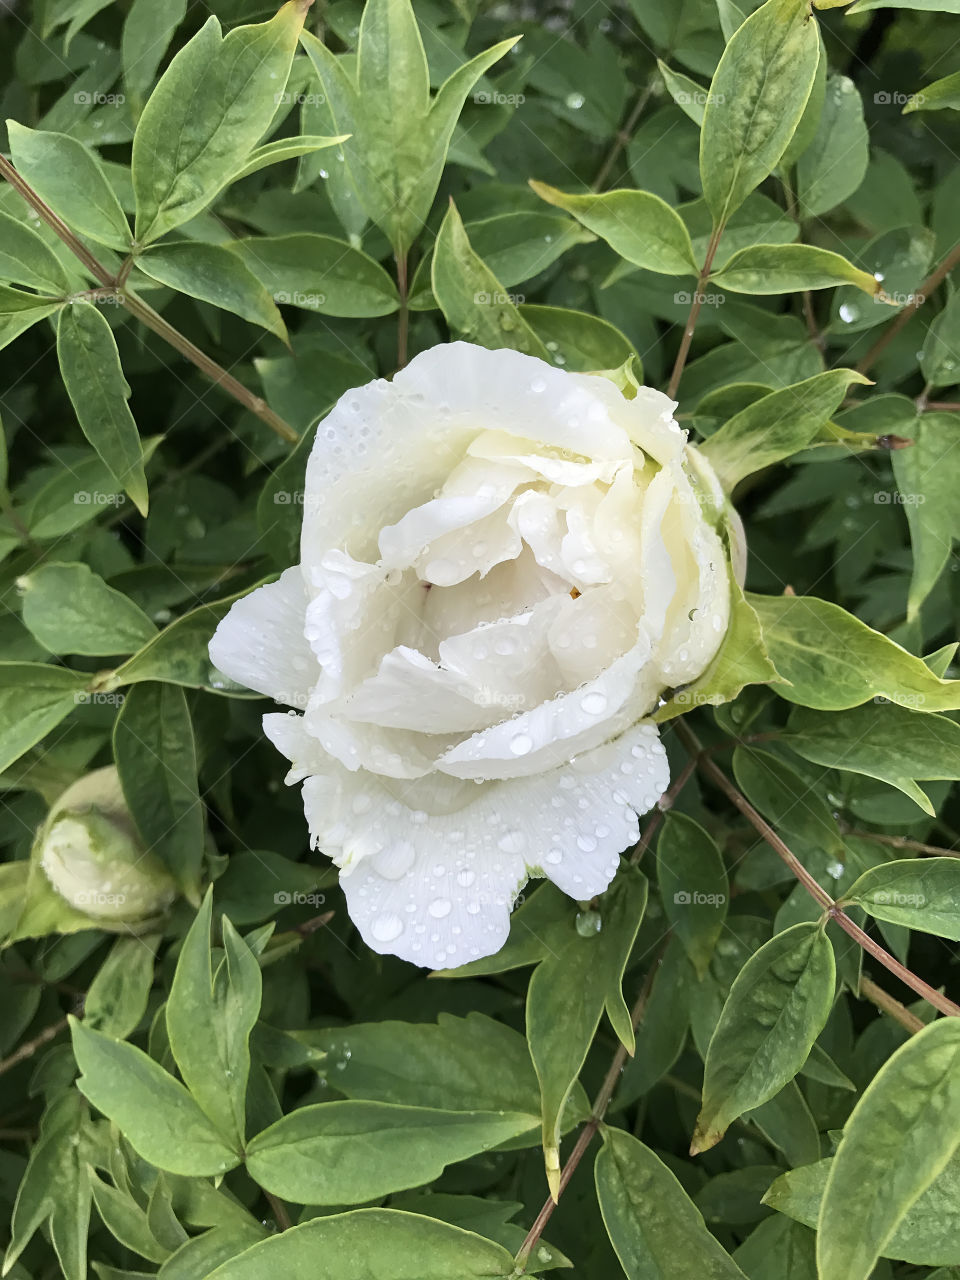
x=478, y=689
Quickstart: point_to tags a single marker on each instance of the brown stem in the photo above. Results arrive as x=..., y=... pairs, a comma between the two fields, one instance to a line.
x=585, y=1137
x=215, y=372
x=816, y=337
x=30, y=1048
x=313, y=924
x=883, y=1000
x=901, y=842
x=949, y=406
x=833, y=909
x=918, y=298
x=280, y=1212
x=403, y=314
x=624, y=135
x=694, y=314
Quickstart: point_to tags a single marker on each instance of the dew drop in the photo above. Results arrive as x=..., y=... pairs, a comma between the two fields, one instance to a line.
x=588, y=923
x=521, y=744
x=387, y=927
x=594, y=704
x=440, y=907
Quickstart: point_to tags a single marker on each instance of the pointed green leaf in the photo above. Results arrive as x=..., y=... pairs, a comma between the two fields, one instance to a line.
x=90, y=365
x=903, y=1132
x=778, y=1005
x=472, y=299
x=352, y=1152
x=215, y=1065
x=155, y=753
x=936, y=96
x=833, y=166
x=34, y=698
x=320, y=273
x=693, y=886
x=656, y=1229
x=921, y=893
x=70, y=609
x=776, y=426
x=26, y=259
x=931, y=498
x=68, y=177
x=216, y=275
x=638, y=225
x=788, y=268
x=756, y=99
x=833, y=661
x=154, y=1111
x=19, y=311
x=212, y=105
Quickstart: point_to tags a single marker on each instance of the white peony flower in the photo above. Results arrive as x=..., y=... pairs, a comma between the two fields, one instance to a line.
x=503, y=567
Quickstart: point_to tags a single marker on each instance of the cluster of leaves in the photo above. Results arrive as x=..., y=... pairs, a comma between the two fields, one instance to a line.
x=727, y=201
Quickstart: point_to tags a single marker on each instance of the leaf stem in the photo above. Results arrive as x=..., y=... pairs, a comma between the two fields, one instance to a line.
x=624, y=134
x=694, y=313
x=279, y=1209
x=831, y=908
x=917, y=299
x=902, y=842
x=146, y=314
x=597, y=1113
x=30, y=1048
x=883, y=1000
x=403, y=314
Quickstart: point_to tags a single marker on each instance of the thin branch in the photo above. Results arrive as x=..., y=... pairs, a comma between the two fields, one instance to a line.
x=831, y=908
x=883, y=1000
x=585, y=1137
x=623, y=135
x=917, y=299
x=901, y=842
x=694, y=313
x=280, y=1211
x=30, y=1048
x=146, y=314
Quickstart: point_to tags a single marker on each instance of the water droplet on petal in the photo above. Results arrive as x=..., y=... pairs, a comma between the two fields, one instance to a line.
x=387, y=927
x=521, y=743
x=440, y=907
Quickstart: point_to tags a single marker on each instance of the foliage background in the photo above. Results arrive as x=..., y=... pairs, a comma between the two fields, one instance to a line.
x=87, y=580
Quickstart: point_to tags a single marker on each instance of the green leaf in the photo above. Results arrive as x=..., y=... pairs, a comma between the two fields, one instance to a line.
x=883, y=741
x=776, y=426
x=68, y=177
x=689, y=96
x=638, y=225
x=155, y=753
x=215, y=1066
x=756, y=99
x=213, y=103
x=787, y=1121
x=781, y=795
x=581, y=342
x=90, y=365
x=117, y=998
x=832, y=167
x=384, y=1243
x=901, y=1135
x=216, y=275
x=398, y=137
x=462, y=1064
x=147, y=31
x=320, y=273
x=778, y=1005
x=471, y=297
x=656, y=1229
x=351, y=1152
x=936, y=96
x=939, y=361
x=567, y=996
x=56, y=1189
x=285, y=149
x=926, y=1234
x=178, y=655
x=25, y=258
x=154, y=1111
x=70, y=609
x=741, y=660
x=539, y=926
x=833, y=661
x=778, y=1249
x=920, y=893
x=693, y=886
x=931, y=499
x=19, y=311
x=788, y=268
x=34, y=698
x=126, y=1220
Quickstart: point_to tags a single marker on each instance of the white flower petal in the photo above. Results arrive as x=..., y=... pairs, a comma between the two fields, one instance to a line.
x=260, y=643
x=436, y=889
x=411, y=692
x=554, y=732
